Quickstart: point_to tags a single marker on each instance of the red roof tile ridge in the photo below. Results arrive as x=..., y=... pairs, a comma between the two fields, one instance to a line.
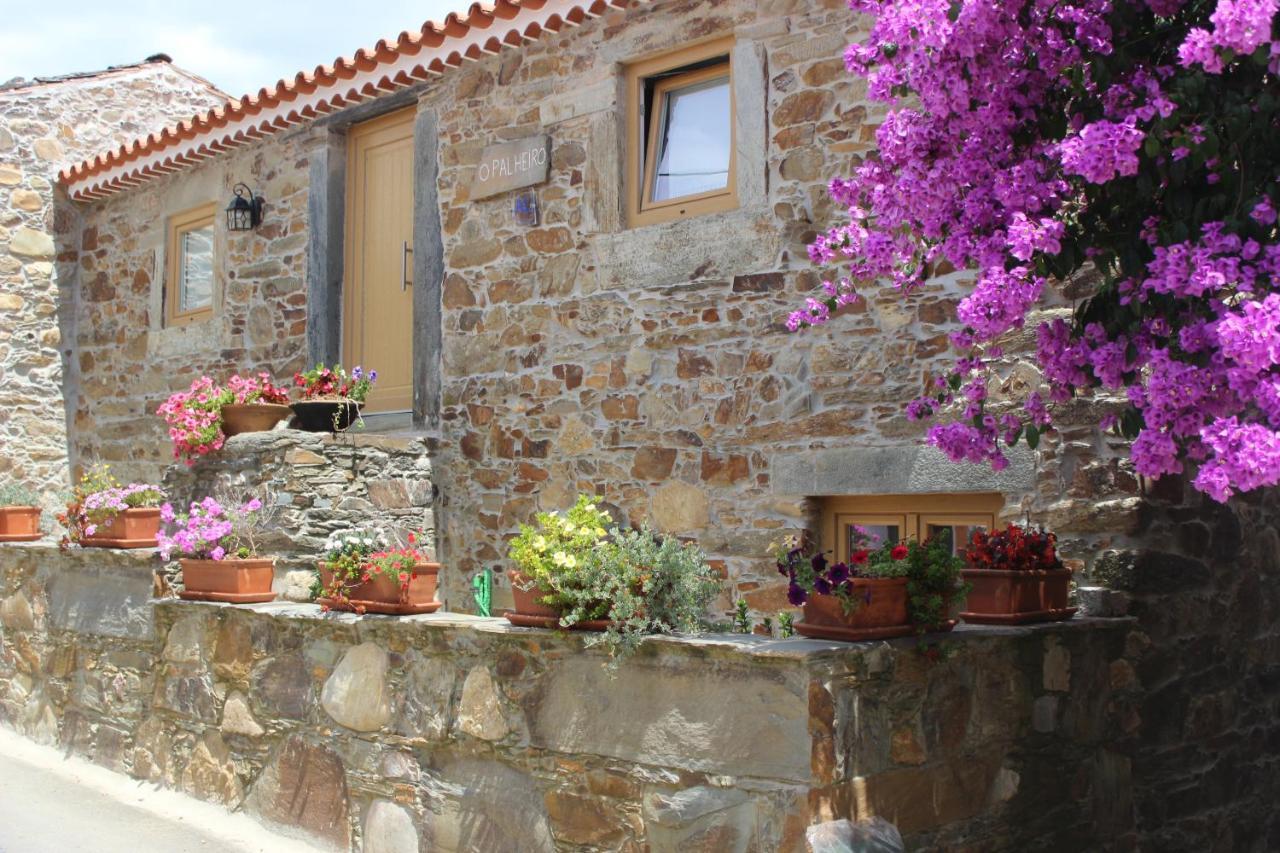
x=432, y=35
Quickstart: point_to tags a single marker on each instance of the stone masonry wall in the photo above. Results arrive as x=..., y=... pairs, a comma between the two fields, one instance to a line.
x=43, y=127
x=128, y=361
x=453, y=733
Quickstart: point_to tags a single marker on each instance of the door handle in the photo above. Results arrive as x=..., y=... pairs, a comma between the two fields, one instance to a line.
x=405, y=252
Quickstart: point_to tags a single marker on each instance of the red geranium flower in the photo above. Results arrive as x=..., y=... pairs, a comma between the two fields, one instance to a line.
x=899, y=552
x=859, y=557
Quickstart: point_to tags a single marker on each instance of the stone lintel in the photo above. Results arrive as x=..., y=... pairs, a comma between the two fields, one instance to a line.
x=902, y=470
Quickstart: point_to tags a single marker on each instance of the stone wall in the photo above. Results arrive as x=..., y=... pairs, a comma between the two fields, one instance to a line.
x=451, y=732
x=314, y=484
x=1203, y=719
x=45, y=125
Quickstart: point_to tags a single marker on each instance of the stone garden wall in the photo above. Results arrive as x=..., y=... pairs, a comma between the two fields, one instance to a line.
x=451, y=732
x=45, y=125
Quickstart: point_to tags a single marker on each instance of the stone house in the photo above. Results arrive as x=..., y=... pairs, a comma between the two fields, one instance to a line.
x=473, y=210
x=567, y=234
x=46, y=123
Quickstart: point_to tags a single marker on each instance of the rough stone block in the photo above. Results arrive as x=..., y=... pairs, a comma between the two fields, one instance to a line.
x=101, y=602
x=304, y=789
x=356, y=694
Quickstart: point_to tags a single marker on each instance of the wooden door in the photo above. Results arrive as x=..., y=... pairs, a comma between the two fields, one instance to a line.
x=377, y=327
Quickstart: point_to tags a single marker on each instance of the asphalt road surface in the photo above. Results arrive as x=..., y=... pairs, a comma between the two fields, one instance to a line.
x=50, y=803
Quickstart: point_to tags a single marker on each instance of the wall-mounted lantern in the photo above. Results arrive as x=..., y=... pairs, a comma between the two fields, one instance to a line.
x=245, y=211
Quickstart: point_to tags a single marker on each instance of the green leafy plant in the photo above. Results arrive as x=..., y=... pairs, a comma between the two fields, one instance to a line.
x=552, y=553
x=933, y=581
x=786, y=624
x=642, y=583
x=16, y=494
x=741, y=618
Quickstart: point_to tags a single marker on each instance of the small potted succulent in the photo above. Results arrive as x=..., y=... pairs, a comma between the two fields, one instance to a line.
x=331, y=398
x=363, y=572
x=625, y=584
x=104, y=514
x=1016, y=577
x=216, y=542
x=893, y=590
x=201, y=418
x=19, y=514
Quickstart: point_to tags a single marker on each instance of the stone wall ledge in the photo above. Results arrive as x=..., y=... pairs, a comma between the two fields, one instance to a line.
x=739, y=645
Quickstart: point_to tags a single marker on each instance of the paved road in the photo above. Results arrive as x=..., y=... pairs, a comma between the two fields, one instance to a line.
x=53, y=804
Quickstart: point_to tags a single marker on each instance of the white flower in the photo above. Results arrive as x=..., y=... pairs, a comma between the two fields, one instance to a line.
x=368, y=540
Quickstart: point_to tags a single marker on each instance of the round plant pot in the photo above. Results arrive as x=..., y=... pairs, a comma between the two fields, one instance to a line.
x=1003, y=597
x=233, y=581
x=19, y=523
x=325, y=415
x=531, y=613
x=134, y=528
x=382, y=594
x=252, y=417
x=881, y=613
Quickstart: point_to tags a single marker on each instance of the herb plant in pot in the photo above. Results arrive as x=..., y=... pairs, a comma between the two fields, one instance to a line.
x=217, y=546
x=331, y=398
x=201, y=418
x=19, y=514
x=362, y=572
x=104, y=514
x=624, y=584
x=1016, y=577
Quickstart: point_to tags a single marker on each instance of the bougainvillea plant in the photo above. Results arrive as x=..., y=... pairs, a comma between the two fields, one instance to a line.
x=334, y=383
x=1125, y=146
x=194, y=416
x=212, y=529
x=1013, y=549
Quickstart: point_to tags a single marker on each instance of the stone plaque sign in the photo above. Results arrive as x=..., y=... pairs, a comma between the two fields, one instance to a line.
x=511, y=165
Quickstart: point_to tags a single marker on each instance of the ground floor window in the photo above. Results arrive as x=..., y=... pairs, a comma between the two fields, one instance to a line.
x=188, y=292
x=893, y=518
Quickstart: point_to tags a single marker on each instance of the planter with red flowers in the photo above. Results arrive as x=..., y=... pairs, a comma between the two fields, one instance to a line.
x=201, y=418
x=217, y=546
x=19, y=514
x=331, y=397
x=364, y=573
x=1016, y=578
x=894, y=590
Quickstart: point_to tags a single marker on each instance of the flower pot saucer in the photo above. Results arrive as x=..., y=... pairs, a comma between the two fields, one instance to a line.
x=380, y=607
x=228, y=597
x=1060, y=614
x=853, y=635
x=20, y=537
x=97, y=542
x=524, y=620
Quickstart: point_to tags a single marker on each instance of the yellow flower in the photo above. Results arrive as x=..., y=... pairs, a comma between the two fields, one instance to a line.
x=539, y=543
x=560, y=558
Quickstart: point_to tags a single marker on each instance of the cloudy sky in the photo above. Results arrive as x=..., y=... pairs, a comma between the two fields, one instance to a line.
x=239, y=45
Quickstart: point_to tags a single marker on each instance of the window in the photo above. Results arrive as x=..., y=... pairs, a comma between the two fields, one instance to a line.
x=893, y=518
x=188, y=289
x=680, y=134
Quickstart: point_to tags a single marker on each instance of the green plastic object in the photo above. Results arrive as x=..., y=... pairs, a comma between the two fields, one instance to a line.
x=482, y=590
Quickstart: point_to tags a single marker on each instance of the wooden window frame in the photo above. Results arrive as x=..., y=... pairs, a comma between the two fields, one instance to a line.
x=913, y=512
x=642, y=146
x=179, y=224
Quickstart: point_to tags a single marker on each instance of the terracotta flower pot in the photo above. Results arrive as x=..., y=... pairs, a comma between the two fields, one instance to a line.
x=252, y=417
x=325, y=415
x=19, y=523
x=134, y=528
x=531, y=613
x=382, y=594
x=1003, y=597
x=234, y=581
x=881, y=612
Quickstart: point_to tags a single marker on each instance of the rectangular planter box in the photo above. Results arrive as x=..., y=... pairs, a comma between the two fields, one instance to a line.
x=999, y=596
x=134, y=528
x=233, y=581
x=19, y=523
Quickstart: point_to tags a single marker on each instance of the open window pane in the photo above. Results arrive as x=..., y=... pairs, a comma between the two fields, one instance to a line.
x=694, y=140
x=195, y=289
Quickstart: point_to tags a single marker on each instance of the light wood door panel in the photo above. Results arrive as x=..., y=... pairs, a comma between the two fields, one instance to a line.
x=378, y=292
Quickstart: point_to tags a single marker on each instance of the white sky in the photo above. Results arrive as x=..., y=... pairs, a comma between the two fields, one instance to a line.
x=238, y=45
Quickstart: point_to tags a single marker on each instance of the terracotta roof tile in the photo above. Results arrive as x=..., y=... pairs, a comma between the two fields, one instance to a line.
x=485, y=29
